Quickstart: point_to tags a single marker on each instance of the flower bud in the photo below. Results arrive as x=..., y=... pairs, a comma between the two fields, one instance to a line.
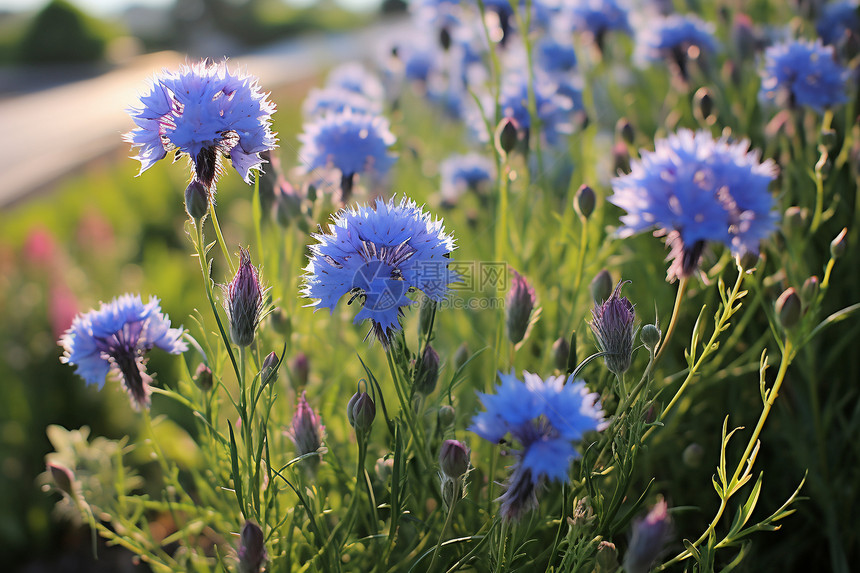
x=300, y=369
x=196, y=200
x=584, y=201
x=624, y=130
x=306, y=429
x=506, y=136
x=63, y=478
x=621, y=158
x=703, y=106
x=252, y=549
x=269, y=369
x=650, y=336
x=788, y=308
x=361, y=411
x=453, y=458
x=601, y=286
x=203, y=377
x=607, y=558
x=647, y=539
x=461, y=356
x=445, y=416
x=281, y=322
x=794, y=220
x=839, y=244
x=612, y=326
x=519, y=304
x=384, y=468
x=244, y=301
x=809, y=290
x=427, y=371
x=560, y=352
x=311, y=192
x=692, y=455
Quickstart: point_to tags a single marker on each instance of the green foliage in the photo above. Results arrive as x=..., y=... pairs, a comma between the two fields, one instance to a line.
x=61, y=33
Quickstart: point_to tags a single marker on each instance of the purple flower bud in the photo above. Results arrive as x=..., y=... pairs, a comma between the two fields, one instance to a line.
x=446, y=416
x=360, y=411
x=624, y=130
x=252, y=549
x=584, y=201
x=621, y=158
x=453, y=458
x=306, y=430
x=560, y=352
x=506, y=136
x=244, y=301
x=612, y=326
x=647, y=539
x=301, y=369
x=809, y=290
x=63, y=478
x=788, y=308
x=267, y=372
x=427, y=371
x=461, y=356
x=519, y=304
x=203, y=377
x=196, y=200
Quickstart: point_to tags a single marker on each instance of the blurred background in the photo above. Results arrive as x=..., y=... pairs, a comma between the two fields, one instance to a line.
x=77, y=227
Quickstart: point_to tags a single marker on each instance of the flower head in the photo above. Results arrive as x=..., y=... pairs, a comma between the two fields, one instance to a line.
x=803, y=73
x=205, y=112
x=354, y=77
x=677, y=39
x=837, y=19
x=306, y=430
x=252, y=548
x=350, y=141
x=556, y=54
x=116, y=338
x=694, y=189
x=243, y=301
x=461, y=173
x=553, y=105
x=336, y=100
x=599, y=17
x=649, y=535
x=612, y=326
x=545, y=418
x=378, y=256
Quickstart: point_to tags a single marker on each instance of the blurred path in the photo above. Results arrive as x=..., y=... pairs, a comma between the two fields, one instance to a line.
x=47, y=134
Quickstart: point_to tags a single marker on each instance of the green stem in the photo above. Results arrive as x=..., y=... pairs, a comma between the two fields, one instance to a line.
x=444, y=529
x=676, y=311
x=406, y=410
x=221, y=242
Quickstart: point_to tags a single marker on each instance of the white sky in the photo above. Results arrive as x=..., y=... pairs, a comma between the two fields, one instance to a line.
x=105, y=7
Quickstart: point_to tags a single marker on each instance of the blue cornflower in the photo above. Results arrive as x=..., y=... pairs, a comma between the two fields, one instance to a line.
x=354, y=77
x=553, y=107
x=545, y=417
x=694, y=189
x=205, y=112
x=555, y=55
x=379, y=256
x=599, y=17
x=676, y=38
x=116, y=338
x=836, y=19
x=803, y=73
x=349, y=141
x=320, y=101
x=461, y=173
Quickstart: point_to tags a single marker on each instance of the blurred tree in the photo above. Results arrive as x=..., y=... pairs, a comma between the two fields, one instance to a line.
x=61, y=33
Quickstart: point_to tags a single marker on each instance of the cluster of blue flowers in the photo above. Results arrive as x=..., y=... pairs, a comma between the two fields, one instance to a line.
x=802, y=73
x=695, y=189
x=545, y=418
x=380, y=255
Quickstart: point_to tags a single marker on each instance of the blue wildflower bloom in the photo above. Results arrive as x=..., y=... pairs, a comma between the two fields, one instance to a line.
x=320, y=101
x=553, y=108
x=677, y=38
x=205, y=112
x=116, y=338
x=356, y=78
x=803, y=73
x=838, y=18
x=555, y=55
x=379, y=256
x=461, y=173
x=351, y=142
x=695, y=189
x=545, y=418
x=599, y=17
